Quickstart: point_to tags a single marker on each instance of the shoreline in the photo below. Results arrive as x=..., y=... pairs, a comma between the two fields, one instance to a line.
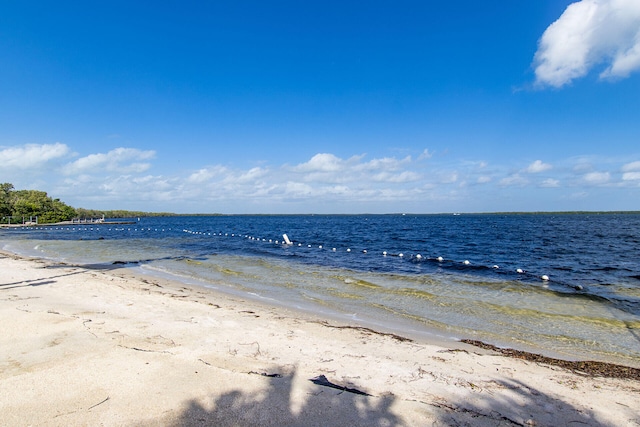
x=607, y=369
x=90, y=346
x=66, y=223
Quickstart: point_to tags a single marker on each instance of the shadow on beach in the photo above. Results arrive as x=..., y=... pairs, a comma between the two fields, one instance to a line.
x=275, y=406
x=515, y=405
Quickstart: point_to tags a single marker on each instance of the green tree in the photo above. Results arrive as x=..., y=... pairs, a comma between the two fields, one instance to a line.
x=33, y=203
x=5, y=202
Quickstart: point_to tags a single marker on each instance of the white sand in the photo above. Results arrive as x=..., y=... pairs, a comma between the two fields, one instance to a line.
x=86, y=347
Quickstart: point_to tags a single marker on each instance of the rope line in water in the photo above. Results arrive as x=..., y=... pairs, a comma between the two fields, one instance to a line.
x=414, y=258
x=286, y=242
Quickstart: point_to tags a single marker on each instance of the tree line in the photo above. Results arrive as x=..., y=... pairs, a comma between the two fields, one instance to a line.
x=18, y=206
x=22, y=205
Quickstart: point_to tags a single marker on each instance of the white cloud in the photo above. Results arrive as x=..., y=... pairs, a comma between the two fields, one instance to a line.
x=386, y=163
x=633, y=166
x=253, y=174
x=537, y=167
x=588, y=33
x=322, y=162
x=122, y=160
x=31, y=155
x=631, y=176
x=405, y=176
x=298, y=189
x=631, y=171
x=513, y=180
x=206, y=174
x=597, y=178
x=550, y=183
x=324, y=183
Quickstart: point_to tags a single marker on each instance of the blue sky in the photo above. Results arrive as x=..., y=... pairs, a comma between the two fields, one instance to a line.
x=323, y=107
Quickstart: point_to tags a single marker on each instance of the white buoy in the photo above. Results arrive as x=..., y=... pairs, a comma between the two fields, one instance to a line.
x=400, y=254
x=496, y=266
x=364, y=251
x=440, y=259
x=466, y=262
x=384, y=253
x=545, y=277
x=320, y=247
x=418, y=256
x=348, y=249
x=308, y=246
x=333, y=249
x=519, y=270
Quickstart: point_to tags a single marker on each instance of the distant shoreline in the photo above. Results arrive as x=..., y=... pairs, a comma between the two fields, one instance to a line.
x=122, y=221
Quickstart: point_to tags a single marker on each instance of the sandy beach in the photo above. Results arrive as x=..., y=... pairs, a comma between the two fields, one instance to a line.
x=89, y=347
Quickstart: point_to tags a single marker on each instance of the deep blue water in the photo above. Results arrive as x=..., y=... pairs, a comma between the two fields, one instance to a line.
x=339, y=263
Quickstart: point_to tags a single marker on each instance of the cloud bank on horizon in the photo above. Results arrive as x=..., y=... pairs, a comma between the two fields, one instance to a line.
x=122, y=176
x=590, y=33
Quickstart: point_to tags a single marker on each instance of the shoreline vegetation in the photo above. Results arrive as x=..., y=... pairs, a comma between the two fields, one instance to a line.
x=110, y=346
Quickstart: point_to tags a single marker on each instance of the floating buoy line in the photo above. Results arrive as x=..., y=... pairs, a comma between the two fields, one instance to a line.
x=288, y=243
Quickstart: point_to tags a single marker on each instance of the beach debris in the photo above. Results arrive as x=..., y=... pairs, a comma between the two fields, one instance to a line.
x=366, y=330
x=99, y=403
x=586, y=367
x=264, y=374
x=323, y=381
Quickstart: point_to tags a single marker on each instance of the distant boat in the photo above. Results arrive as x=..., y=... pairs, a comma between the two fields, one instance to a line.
x=456, y=214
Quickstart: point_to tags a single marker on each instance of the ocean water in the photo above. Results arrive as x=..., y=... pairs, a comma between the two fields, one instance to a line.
x=445, y=276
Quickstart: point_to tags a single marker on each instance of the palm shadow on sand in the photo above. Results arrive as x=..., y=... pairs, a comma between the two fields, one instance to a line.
x=272, y=406
x=519, y=405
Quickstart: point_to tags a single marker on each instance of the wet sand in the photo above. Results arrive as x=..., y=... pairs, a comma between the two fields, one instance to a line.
x=81, y=346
